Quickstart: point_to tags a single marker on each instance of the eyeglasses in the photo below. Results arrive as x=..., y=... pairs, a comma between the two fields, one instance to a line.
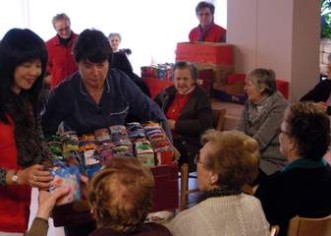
x=279, y=130
x=197, y=160
x=67, y=28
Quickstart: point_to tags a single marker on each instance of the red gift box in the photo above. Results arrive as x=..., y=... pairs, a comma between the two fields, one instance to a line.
x=155, y=85
x=234, y=78
x=209, y=53
x=282, y=87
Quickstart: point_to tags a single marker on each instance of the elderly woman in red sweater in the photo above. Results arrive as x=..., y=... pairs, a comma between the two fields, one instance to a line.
x=188, y=111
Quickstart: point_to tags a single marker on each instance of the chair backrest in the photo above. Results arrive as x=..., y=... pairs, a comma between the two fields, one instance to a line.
x=300, y=226
x=218, y=118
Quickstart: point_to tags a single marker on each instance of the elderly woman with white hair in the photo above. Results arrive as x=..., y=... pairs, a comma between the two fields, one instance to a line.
x=227, y=161
x=261, y=117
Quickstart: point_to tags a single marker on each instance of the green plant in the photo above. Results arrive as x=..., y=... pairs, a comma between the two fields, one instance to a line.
x=325, y=18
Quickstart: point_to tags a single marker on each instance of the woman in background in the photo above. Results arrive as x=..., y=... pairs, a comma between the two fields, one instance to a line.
x=23, y=59
x=188, y=111
x=261, y=118
x=226, y=162
x=207, y=30
x=120, y=61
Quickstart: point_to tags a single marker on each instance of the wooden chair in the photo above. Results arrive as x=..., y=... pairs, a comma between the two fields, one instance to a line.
x=300, y=226
x=218, y=118
x=218, y=121
x=230, y=122
x=184, y=188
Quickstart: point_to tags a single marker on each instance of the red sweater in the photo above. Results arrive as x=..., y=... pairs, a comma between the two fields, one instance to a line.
x=14, y=200
x=61, y=61
x=213, y=33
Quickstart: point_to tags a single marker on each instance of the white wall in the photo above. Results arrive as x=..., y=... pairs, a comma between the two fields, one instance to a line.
x=282, y=35
x=151, y=28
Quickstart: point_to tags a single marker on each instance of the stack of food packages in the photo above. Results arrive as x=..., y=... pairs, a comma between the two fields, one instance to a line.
x=159, y=71
x=87, y=154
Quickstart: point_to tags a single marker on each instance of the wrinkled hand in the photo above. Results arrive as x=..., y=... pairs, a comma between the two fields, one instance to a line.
x=36, y=176
x=47, y=201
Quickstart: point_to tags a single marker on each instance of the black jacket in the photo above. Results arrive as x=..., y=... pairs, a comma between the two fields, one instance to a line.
x=195, y=118
x=300, y=191
x=120, y=61
x=320, y=93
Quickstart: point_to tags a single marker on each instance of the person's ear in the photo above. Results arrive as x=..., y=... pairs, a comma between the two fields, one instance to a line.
x=213, y=178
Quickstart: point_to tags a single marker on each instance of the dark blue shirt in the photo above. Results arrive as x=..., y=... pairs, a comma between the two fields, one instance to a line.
x=71, y=104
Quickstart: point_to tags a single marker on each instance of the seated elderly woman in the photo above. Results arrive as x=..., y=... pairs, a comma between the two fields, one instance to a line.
x=120, y=197
x=303, y=186
x=226, y=162
x=261, y=117
x=188, y=111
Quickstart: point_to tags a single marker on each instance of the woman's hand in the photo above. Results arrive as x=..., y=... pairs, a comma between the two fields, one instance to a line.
x=35, y=176
x=47, y=201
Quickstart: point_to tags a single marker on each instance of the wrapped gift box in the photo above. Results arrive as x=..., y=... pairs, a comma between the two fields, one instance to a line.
x=155, y=85
x=283, y=87
x=208, y=53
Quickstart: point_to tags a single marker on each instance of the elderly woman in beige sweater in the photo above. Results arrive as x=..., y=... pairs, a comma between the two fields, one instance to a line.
x=226, y=162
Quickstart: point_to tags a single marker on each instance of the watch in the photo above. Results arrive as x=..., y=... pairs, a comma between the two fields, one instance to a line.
x=15, y=177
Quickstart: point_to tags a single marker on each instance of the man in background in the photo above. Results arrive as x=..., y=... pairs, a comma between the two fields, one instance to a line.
x=61, y=61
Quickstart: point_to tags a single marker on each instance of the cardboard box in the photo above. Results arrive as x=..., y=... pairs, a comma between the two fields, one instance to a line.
x=221, y=72
x=208, y=53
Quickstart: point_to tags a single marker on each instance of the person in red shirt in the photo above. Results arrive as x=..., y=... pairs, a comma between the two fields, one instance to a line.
x=61, y=61
x=188, y=111
x=207, y=30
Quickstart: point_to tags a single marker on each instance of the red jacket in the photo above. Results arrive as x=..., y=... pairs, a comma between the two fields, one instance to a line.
x=213, y=33
x=61, y=61
x=14, y=200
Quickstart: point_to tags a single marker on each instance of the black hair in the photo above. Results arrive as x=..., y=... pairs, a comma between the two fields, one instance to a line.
x=92, y=45
x=17, y=47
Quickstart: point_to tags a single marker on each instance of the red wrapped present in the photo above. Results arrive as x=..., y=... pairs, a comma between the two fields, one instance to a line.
x=282, y=86
x=209, y=53
x=155, y=85
x=234, y=78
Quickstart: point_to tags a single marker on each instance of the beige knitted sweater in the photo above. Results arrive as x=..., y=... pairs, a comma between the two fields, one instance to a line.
x=239, y=215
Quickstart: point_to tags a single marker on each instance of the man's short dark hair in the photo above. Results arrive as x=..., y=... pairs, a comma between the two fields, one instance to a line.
x=92, y=45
